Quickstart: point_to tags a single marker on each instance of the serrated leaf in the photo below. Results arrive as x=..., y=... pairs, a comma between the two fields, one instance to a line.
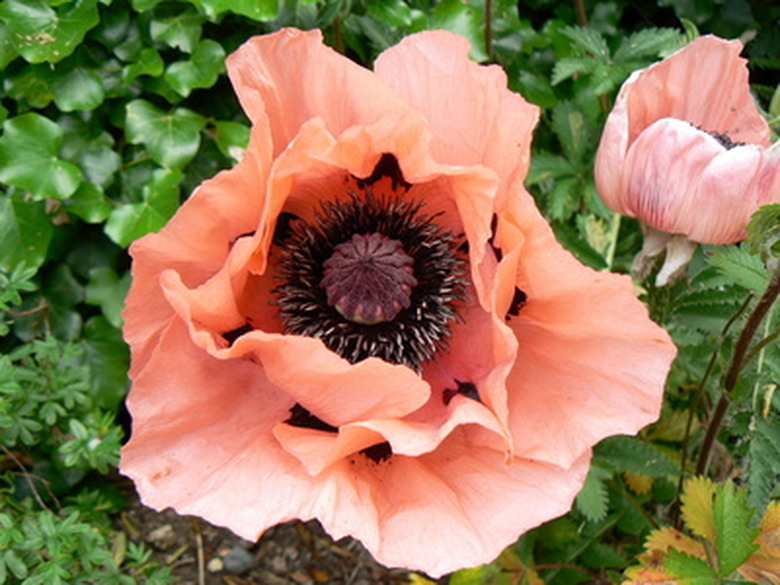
x=41, y=33
x=764, y=229
x=735, y=537
x=638, y=483
x=763, y=566
x=709, y=309
x=172, y=139
x=25, y=233
x=649, y=42
x=29, y=150
x=741, y=267
x=631, y=454
x=666, y=538
x=692, y=569
x=545, y=166
x=571, y=66
x=573, y=132
x=764, y=462
x=202, y=70
x=573, y=241
x=589, y=40
x=593, y=500
x=697, y=499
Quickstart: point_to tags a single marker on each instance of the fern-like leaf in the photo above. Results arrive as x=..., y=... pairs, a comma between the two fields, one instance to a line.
x=649, y=42
x=631, y=454
x=764, y=464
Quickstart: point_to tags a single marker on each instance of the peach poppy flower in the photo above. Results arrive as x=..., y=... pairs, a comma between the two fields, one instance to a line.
x=368, y=322
x=686, y=151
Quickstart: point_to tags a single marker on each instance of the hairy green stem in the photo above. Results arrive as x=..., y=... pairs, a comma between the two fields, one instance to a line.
x=737, y=363
x=697, y=399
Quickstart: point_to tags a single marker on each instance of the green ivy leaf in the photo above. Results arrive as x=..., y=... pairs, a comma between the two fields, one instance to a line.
x=31, y=85
x=732, y=525
x=181, y=29
x=92, y=148
x=391, y=12
x=77, y=88
x=29, y=158
x=149, y=62
x=232, y=139
x=42, y=33
x=459, y=17
x=7, y=51
x=108, y=357
x=25, y=233
x=626, y=453
x=89, y=203
x=260, y=10
x=202, y=70
x=172, y=139
x=133, y=220
x=107, y=291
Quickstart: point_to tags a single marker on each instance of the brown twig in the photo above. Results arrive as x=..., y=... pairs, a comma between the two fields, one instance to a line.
x=28, y=476
x=737, y=363
x=200, y=554
x=579, y=8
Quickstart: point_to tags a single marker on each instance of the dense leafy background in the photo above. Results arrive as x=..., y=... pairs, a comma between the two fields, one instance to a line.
x=112, y=111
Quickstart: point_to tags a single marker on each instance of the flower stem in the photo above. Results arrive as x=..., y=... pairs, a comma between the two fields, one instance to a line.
x=737, y=362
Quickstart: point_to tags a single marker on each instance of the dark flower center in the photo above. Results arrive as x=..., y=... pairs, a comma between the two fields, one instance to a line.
x=724, y=139
x=371, y=276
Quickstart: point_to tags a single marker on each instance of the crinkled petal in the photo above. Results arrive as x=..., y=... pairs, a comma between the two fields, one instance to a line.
x=704, y=83
x=473, y=116
x=680, y=180
x=194, y=243
x=462, y=504
x=581, y=373
x=290, y=77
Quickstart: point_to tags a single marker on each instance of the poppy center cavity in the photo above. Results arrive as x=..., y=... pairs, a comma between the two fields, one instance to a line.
x=369, y=278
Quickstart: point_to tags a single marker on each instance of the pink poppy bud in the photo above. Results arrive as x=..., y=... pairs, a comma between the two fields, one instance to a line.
x=686, y=151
